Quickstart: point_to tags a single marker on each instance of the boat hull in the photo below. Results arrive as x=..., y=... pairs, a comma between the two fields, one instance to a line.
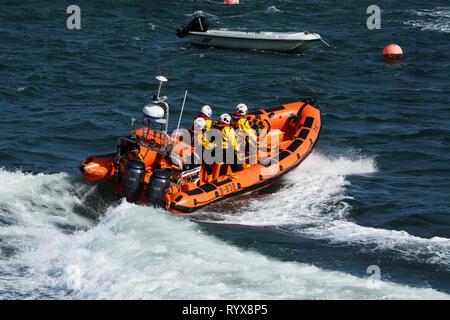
x=241, y=41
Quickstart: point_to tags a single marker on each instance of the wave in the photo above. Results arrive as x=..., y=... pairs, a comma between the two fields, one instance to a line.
x=40, y=200
x=437, y=19
x=153, y=26
x=144, y=253
x=272, y=9
x=318, y=185
x=321, y=209
x=137, y=252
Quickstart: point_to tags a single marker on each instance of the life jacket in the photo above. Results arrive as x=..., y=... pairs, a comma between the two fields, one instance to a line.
x=221, y=125
x=228, y=135
x=236, y=117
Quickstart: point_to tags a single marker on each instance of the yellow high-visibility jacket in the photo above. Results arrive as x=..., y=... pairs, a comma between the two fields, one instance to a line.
x=229, y=138
x=208, y=124
x=203, y=141
x=242, y=125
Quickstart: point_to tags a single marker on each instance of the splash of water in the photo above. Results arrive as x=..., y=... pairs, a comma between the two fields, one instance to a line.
x=314, y=203
x=272, y=9
x=143, y=253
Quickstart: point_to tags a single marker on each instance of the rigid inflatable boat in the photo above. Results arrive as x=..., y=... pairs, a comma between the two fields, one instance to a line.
x=149, y=165
x=198, y=34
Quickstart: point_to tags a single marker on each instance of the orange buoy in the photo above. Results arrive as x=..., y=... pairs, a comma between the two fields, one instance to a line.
x=231, y=1
x=393, y=52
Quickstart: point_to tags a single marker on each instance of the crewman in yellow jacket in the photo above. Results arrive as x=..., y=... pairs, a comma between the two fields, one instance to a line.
x=199, y=134
x=229, y=141
x=245, y=134
x=199, y=138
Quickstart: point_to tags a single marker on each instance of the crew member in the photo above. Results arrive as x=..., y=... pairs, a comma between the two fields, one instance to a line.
x=199, y=136
x=205, y=113
x=200, y=139
x=245, y=134
x=229, y=142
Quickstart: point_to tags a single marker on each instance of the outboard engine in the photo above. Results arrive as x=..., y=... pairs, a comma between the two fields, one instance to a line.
x=133, y=180
x=158, y=186
x=199, y=24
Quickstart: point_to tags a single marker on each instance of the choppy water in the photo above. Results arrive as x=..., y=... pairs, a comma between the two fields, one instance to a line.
x=374, y=192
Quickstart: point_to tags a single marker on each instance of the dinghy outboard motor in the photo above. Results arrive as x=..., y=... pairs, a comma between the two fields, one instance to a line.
x=158, y=186
x=199, y=24
x=133, y=180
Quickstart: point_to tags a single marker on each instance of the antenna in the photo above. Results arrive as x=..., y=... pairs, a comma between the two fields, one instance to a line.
x=181, y=113
x=161, y=80
x=133, y=129
x=157, y=99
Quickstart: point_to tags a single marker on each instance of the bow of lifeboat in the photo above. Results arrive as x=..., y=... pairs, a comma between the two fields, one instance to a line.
x=100, y=167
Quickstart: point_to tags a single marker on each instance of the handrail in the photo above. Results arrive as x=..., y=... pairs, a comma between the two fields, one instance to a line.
x=162, y=136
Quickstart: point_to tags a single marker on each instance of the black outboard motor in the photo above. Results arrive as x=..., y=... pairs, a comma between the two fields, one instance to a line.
x=199, y=24
x=158, y=186
x=133, y=181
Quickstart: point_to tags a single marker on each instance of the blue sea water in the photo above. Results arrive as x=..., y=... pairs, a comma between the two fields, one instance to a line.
x=375, y=191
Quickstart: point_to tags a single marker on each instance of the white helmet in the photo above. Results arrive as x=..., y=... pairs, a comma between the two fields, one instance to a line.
x=207, y=111
x=241, y=109
x=225, y=118
x=199, y=124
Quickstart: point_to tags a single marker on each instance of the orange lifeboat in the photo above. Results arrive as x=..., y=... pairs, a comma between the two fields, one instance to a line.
x=150, y=167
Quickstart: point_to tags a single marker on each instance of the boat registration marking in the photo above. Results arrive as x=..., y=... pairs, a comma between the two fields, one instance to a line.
x=230, y=187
